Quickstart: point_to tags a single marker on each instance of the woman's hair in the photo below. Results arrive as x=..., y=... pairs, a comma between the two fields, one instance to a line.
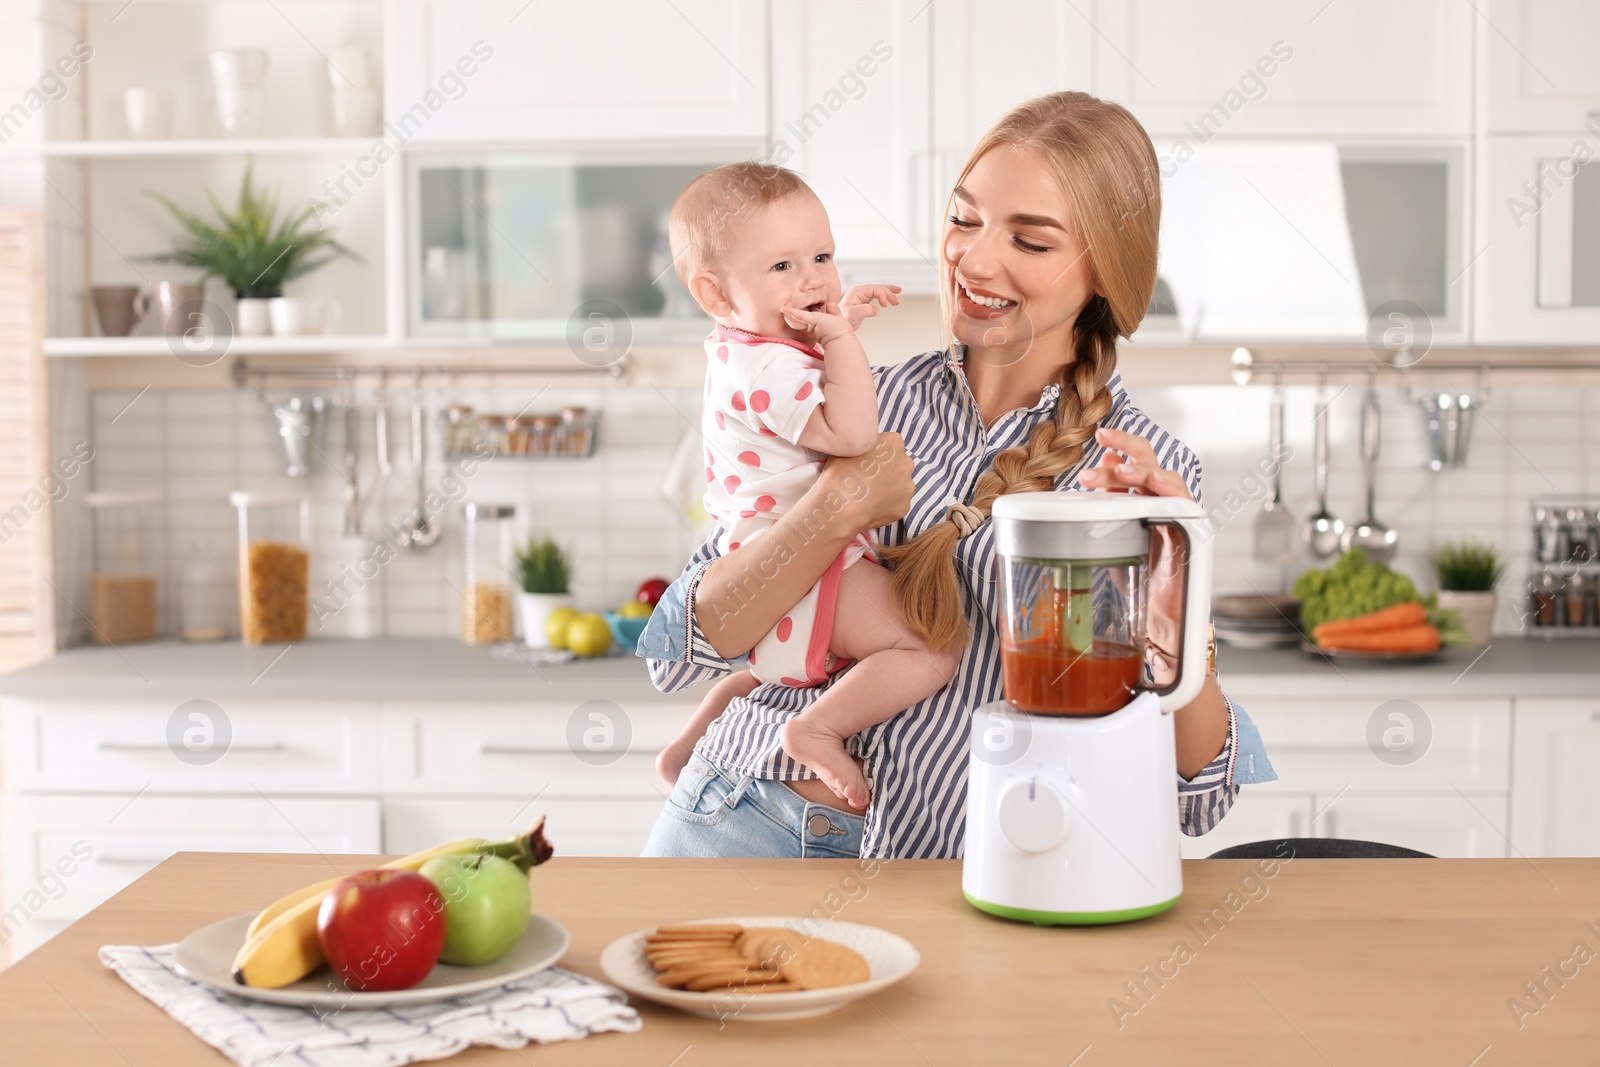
x=1107, y=169
x=702, y=216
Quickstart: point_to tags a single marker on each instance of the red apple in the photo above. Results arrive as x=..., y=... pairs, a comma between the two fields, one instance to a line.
x=651, y=590
x=382, y=930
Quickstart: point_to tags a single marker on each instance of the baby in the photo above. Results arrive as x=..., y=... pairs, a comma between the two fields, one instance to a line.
x=788, y=385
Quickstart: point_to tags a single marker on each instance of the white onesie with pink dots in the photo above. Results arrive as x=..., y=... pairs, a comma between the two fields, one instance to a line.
x=760, y=392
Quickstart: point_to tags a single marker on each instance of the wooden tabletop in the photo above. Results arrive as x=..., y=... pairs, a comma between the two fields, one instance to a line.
x=1358, y=962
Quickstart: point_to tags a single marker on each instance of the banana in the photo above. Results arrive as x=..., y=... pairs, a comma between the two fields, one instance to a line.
x=408, y=863
x=284, y=947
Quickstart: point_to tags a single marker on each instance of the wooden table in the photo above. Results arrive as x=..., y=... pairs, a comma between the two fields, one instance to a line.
x=1358, y=962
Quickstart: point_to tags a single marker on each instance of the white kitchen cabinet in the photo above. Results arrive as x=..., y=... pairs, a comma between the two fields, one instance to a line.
x=265, y=748
x=605, y=826
x=65, y=855
x=1459, y=826
x=594, y=749
x=988, y=57
x=603, y=70
x=1554, y=757
x=1536, y=278
x=1352, y=68
x=1255, y=816
x=1449, y=800
x=851, y=113
x=1537, y=58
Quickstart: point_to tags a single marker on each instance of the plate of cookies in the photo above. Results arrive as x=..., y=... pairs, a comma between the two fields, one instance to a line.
x=758, y=969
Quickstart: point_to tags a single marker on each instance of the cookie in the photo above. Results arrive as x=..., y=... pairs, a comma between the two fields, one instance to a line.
x=729, y=930
x=819, y=964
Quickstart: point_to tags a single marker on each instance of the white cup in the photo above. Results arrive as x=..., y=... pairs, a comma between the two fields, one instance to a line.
x=300, y=316
x=149, y=113
x=355, y=112
x=351, y=67
x=239, y=68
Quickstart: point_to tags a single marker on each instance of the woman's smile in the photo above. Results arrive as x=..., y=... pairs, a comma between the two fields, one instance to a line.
x=978, y=303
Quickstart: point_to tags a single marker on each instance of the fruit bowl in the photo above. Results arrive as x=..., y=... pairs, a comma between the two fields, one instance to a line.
x=626, y=631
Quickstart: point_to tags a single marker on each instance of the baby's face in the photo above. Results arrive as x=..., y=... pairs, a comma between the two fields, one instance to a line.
x=781, y=256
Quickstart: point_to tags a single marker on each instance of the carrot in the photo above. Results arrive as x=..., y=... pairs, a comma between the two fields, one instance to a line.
x=1422, y=638
x=1399, y=616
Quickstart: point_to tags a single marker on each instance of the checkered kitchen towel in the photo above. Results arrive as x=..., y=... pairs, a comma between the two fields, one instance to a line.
x=552, y=1005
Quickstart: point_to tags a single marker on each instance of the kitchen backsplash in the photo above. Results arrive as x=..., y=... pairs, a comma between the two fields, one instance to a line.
x=195, y=446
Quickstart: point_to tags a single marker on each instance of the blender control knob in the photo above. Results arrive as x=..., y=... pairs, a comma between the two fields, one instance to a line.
x=1032, y=815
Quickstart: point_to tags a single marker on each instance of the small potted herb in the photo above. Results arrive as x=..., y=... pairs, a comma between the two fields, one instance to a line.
x=252, y=249
x=1467, y=572
x=544, y=571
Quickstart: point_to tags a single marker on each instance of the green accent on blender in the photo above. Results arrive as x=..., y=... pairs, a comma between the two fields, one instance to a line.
x=1070, y=918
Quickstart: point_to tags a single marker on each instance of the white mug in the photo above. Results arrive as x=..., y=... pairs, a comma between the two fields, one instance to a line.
x=302, y=316
x=356, y=112
x=149, y=113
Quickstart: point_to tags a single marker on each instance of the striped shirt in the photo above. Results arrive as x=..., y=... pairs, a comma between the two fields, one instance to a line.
x=916, y=762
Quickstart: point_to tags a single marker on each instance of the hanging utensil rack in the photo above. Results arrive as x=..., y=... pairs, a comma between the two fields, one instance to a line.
x=1246, y=366
x=245, y=371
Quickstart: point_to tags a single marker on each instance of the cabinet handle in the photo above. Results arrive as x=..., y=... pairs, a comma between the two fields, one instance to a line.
x=142, y=746
x=129, y=861
x=489, y=748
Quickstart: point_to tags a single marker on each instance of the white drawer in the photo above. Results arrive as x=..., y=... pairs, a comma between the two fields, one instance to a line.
x=576, y=827
x=168, y=747
x=594, y=749
x=66, y=855
x=1324, y=745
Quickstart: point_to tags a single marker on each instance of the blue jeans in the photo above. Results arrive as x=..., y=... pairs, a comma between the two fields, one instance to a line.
x=712, y=813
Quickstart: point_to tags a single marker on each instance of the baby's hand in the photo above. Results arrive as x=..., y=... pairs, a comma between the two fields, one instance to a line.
x=858, y=304
x=823, y=326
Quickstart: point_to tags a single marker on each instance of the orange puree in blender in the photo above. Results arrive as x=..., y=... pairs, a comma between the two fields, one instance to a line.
x=1040, y=676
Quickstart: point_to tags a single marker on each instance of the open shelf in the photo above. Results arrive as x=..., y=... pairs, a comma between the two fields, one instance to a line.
x=208, y=146
x=240, y=346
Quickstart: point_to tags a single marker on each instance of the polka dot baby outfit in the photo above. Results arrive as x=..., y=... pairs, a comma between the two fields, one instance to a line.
x=760, y=392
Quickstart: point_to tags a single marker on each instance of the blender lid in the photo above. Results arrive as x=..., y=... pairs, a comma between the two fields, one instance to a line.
x=1081, y=524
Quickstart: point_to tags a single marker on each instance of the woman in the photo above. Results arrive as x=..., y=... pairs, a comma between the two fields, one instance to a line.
x=1048, y=256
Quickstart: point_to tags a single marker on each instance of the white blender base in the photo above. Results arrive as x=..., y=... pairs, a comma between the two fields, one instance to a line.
x=1073, y=820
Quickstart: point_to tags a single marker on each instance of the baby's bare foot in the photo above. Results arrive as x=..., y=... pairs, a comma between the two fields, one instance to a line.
x=672, y=760
x=824, y=753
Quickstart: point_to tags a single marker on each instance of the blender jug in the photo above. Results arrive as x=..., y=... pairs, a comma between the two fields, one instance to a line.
x=1078, y=626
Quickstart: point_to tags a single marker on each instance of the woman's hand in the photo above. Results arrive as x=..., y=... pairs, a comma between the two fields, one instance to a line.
x=1130, y=466
x=876, y=486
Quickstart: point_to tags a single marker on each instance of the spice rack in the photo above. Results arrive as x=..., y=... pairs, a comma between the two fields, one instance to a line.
x=1564, y=568
x=570, y=434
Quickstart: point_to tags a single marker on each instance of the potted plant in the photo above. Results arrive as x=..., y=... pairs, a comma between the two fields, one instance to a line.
x=1467, y=572
x=253, y=250
x=544, y=571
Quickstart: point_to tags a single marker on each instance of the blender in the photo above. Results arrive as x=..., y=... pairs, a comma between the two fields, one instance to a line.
x=1072, y=795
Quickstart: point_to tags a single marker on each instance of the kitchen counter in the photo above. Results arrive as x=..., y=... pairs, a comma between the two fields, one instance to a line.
x=1507, y=667
x=1318, y=962
x=402, y=668
x=430, y=669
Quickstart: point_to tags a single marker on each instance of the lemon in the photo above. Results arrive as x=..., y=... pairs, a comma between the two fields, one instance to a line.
x=588, y=634
x=634, y=609
x=555, y=626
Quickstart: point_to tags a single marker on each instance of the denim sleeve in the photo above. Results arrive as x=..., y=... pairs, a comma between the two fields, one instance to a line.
x=1204, y=799
x=673, y=646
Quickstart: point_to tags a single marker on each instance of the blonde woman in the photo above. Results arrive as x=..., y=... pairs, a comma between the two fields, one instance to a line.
x=1048, y=257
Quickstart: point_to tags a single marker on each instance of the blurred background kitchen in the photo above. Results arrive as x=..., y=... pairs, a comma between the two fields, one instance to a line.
x=361, y=313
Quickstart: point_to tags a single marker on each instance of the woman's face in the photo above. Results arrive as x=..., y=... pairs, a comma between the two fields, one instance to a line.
x=1021, y=274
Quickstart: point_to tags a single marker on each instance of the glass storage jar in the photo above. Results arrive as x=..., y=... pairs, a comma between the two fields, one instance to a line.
x=492, y=432
x=274, y=565
x=122, y=589
x=202, y=595
x=488, y=562
x=461, y=429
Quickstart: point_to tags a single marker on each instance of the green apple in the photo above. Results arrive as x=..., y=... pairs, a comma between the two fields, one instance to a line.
x=555, y=626
x=486, y=905
x=589, y=634
x=634, y=609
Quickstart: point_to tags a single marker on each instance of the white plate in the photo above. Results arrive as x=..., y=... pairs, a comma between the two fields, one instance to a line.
x=207, y=957
x=889, y=956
